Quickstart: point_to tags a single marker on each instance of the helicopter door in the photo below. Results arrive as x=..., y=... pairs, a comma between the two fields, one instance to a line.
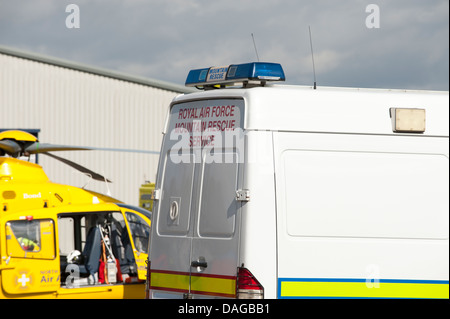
x=140, y=233
x=31, y=265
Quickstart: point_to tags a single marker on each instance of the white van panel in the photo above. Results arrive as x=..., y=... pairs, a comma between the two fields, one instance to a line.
x=350, y=211
x=365, y=194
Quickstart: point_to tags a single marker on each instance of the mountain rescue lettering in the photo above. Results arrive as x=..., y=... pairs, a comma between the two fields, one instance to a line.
x=202, y=126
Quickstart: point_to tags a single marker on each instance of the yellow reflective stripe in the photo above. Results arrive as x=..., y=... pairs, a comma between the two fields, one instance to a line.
x=359, y=289
x=215, y=285
x=172, y=281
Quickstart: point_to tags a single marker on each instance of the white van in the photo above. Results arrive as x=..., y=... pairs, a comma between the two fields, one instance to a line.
x=272, y=191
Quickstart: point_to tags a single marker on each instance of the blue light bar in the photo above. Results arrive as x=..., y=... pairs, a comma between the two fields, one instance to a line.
x=236, y=73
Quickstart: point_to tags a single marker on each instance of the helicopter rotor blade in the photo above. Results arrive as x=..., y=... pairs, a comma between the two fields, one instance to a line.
x=10, y=147
x=13, y=147
x=37, y=147
x=46, y=147
x=123, y=150
x=80, y=168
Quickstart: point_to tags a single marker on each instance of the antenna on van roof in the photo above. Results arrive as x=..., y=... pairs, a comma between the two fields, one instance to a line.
x=312, y=55
x=256, y=50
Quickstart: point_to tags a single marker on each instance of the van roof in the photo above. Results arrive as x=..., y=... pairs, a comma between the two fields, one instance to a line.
x=331, y=109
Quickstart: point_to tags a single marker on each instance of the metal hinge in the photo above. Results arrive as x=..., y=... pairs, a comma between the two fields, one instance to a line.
x=243, y=195
x=156, y=194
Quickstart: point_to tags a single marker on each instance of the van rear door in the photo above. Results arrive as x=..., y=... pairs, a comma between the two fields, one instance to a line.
x=214, y=255
x=194, y=246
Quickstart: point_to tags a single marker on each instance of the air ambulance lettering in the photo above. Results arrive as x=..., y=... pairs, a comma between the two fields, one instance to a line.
x=49, y=276
x=46, y=279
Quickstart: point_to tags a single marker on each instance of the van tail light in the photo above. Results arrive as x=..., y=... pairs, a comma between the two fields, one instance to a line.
x=247, y=286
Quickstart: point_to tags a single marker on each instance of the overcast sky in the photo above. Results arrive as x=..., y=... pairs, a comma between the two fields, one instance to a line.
x=403, y=45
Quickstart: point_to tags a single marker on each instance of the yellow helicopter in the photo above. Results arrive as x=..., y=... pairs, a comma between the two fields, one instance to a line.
x=60, y=241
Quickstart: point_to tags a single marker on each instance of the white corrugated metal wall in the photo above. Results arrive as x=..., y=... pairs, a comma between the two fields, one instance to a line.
x=74, y=107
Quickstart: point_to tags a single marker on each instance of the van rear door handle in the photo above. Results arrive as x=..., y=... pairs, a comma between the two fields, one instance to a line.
x=201, y=264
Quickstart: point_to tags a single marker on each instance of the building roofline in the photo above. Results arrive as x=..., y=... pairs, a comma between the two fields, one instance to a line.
x=94, y=70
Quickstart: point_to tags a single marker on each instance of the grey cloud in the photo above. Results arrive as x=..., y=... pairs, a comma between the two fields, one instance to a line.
x=163, y=39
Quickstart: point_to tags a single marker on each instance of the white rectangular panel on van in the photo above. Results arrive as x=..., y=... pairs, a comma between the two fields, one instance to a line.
x=365, y=194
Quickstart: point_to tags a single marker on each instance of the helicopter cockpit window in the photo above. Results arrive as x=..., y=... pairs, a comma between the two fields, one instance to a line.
x=140, y=231
x=30, y=238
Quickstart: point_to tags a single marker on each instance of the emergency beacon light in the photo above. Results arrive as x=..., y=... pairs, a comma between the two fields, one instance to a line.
x=255, y=72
